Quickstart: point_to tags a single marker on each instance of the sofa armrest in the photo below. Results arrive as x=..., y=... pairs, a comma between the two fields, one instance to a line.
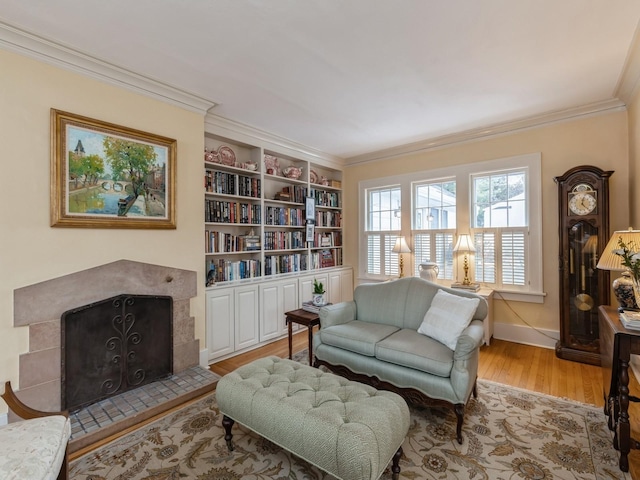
x=470, y=340
x=337, y=314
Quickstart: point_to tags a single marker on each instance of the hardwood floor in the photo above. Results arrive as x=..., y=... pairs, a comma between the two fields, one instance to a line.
x=523, y=366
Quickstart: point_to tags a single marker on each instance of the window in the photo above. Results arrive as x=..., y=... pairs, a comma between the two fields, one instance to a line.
x=434, y=225
x=500, y=228
x=497, y=201
x=382, y=228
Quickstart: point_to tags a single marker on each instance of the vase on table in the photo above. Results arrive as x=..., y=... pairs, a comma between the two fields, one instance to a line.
x=318, y=299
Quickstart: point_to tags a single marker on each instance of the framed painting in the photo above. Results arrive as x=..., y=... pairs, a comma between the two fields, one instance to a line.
x=108, y=176
x=310, y=208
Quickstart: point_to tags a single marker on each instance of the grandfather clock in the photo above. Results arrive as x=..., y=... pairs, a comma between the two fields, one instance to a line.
x=583, y=200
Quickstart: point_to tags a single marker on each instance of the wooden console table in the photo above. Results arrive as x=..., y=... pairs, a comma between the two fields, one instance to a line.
x=307, y=319
x=617, y=343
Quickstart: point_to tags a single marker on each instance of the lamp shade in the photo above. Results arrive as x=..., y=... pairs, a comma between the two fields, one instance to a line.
x=464, y=244
x=609, y=260
x=401, y=246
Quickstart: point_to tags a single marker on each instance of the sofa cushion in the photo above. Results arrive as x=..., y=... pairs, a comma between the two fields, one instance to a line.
x=410, y=349
x=356, y=336
x=447, y=317
x=34, y=449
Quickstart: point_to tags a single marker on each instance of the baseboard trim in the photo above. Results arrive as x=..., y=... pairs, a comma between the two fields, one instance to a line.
x=204, y=358
x=526, y=335
x=4, y=419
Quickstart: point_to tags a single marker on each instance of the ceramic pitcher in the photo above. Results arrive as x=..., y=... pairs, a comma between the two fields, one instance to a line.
x=429, y=271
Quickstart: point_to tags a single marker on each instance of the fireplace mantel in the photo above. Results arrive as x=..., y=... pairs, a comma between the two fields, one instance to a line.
x=41, y=305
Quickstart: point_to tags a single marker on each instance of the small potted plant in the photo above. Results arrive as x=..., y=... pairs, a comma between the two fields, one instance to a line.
x=318, y=293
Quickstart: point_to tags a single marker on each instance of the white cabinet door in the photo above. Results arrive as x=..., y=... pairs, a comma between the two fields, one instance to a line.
x=246, y=317
x=220, y=322
x=289, y=300
x=305, y=289
x=334, y=287
x=305, y=286
x=347, y=285
x=275, y=300
x=270, y=299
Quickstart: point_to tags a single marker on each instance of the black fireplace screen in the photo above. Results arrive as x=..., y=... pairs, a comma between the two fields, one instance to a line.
x=115, y=345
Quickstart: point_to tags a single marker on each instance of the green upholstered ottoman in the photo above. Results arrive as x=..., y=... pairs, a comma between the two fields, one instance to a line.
x=345, y=428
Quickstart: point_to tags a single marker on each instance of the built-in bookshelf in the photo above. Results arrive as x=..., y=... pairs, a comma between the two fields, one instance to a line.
x=268, y=213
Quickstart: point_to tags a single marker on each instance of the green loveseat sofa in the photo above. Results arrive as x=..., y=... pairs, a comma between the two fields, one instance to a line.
x=384, y=337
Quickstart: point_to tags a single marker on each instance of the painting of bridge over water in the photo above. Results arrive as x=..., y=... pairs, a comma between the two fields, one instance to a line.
x=108, y=176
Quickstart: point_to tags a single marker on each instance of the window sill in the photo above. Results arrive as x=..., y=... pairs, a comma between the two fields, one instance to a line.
x=515, y=296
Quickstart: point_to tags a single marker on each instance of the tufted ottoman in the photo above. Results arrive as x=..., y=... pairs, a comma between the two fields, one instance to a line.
x=345, y=428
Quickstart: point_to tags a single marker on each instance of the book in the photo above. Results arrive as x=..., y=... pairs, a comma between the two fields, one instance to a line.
x=310, y=307
x=630, y=319
x=474, y=287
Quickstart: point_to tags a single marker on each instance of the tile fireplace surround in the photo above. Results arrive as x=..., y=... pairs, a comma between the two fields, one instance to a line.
x=40, y=307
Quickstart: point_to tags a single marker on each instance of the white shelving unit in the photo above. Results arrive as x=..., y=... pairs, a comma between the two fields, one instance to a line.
x=259, y=261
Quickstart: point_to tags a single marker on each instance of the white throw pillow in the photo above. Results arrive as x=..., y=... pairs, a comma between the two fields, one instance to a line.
x=447, y=317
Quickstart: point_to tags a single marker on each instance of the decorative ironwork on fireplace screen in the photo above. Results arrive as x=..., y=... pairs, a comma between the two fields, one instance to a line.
x=115, y=345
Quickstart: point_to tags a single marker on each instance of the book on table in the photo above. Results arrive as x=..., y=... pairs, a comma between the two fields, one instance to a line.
x=310, y=307
x=630, y=319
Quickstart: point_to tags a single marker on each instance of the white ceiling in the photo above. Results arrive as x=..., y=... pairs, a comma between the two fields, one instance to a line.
x=347, y=77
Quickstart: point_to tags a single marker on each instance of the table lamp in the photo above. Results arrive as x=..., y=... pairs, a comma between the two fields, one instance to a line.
x=465, y=245
x=622, y=286
x=401, y=247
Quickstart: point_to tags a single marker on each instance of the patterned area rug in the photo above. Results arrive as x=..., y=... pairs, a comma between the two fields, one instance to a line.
x=508, y=434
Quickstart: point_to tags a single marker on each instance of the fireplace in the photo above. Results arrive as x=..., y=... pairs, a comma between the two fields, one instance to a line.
x=40, y=307
x=113, y=346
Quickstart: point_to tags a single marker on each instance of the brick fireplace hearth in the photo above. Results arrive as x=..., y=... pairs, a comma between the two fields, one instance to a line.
x=41, y=305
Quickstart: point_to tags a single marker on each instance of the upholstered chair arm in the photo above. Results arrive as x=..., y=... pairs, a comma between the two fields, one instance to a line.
x=337, y=314
x=465, y=360
x=470, y=340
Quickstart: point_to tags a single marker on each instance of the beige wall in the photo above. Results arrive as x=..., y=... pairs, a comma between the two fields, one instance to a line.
x=30, y=250
x=600, y=140
x=634, y=159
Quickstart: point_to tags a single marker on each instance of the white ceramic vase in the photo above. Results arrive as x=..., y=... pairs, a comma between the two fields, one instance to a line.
x=318, y=299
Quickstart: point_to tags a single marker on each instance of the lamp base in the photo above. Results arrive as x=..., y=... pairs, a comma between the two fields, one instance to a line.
x=623, y=290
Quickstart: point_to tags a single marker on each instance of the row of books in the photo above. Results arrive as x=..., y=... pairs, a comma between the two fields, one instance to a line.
x=293, y=193
x=327, y=239
x=218, y=242
x=284, y=216
x=293, y=262
x=221, y=270
x=231, y=184
x=219, y=211
x=326, y=199
x=226, y=270
x=283, y=240
x=329, y=218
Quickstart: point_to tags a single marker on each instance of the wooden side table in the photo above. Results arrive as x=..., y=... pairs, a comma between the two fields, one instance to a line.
x=307, y=319
x=617, y=343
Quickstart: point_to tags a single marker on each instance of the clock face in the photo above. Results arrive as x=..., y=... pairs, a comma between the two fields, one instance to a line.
x=582, y=200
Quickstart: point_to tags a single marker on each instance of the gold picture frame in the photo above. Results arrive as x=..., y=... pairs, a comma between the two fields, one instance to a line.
x=109, y=176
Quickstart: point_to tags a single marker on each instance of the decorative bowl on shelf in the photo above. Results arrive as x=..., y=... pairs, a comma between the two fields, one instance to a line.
x=250, y=166
x=292, y=172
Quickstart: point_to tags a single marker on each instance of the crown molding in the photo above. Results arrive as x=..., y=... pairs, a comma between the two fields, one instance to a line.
x=629, y=82
x=28, y=44
x=506, y=128
x=240, y=132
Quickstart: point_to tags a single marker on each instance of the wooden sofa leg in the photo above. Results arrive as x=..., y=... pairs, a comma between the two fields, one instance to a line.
x=459, y=409
x=64, y=471
x=227, y=423
x=475, y=389
x=395, y=466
